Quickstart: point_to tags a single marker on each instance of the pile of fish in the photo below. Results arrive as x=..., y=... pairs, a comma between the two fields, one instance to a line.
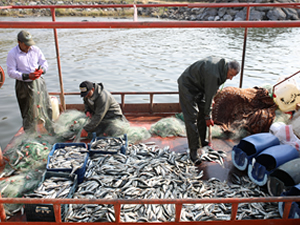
x=53, y=187
x=211, y=155
x=149, y=172
x=108, y=145
x=68, y=157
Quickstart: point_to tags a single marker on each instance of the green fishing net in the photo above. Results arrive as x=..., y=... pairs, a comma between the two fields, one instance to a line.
x=168, y=127
x=137, y=134
x=17, y=185
x=117, y=128
x=69, y=124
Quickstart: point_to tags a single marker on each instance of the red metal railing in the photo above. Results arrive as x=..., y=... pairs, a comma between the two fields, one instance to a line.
x=170, y=24
x=178, y=207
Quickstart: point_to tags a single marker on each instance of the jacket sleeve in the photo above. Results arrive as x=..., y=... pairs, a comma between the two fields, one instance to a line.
x=210, y=88
x=102, y=105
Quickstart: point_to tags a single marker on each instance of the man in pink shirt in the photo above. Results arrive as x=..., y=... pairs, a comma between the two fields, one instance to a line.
x=26, y=63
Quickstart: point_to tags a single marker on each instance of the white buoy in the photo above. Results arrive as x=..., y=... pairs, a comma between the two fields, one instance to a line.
x=55, y=107
x=287, y=95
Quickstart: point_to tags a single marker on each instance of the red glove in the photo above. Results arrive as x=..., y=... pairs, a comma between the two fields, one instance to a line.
x=35, y=75
x=209, y=122
x=83, y=133
x=39, y=71
x=88, y=114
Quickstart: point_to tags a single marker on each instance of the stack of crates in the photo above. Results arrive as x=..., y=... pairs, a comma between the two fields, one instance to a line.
x=45, y=212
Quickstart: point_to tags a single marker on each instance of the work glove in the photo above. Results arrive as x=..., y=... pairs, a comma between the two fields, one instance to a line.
x=39, y=71
x=35, y=75
x=31, y=76
x=88, y=114
x=209, y=122
x=83, y=133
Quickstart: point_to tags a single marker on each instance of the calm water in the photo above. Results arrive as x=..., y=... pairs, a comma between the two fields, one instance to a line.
x=145, y=59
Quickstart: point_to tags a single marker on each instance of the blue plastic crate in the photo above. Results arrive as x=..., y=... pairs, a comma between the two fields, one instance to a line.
x=81, y=171
x=45, y=212
x=122, y=149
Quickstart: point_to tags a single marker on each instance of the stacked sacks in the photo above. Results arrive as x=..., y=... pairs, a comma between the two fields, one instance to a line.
x=262, y=153
x=249, y=147
x=268, y=160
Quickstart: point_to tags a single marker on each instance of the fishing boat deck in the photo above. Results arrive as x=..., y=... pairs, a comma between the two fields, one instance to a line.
x=177, y=144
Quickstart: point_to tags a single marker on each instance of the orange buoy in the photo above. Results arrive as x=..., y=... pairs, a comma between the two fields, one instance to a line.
x=2, y=212
x=2, y=77
x=1, y=158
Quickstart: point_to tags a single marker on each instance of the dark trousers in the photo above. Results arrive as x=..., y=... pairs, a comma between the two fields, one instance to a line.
x=194, y=118
x=34, y=104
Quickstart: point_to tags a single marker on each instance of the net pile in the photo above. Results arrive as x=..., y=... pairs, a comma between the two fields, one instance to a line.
x=240, y=112
x=168, y=127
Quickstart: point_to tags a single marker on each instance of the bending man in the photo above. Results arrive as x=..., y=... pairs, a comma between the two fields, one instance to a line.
x=197, y=86
x=100, y=106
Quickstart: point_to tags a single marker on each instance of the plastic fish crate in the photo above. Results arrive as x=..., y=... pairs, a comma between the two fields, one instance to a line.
x=45, y=212
x=80, y=172
x=122, y=149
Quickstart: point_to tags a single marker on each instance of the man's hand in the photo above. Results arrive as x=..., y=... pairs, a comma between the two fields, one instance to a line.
x=88, y=114
x=209, y=122
x=83, y=133
x=39, y=71
x=35, y=75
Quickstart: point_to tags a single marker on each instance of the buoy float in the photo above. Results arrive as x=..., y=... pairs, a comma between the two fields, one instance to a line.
x=2, y=211
x=1, y=158
x=2, y=77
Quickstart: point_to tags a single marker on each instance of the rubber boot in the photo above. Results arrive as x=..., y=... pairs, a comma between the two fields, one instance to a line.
x=195, y=157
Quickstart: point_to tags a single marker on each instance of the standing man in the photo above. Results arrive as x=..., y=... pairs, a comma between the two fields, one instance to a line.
x=100, y=106
x=26, y=63
x=197, y=86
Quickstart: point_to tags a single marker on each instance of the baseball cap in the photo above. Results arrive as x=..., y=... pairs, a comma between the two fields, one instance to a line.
x=85, y=88
x=25, y=37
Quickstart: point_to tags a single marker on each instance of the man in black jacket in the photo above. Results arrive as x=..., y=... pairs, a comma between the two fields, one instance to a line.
x=197, y=86
x=100, y=106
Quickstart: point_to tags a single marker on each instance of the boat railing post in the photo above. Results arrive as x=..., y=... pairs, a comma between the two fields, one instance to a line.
x=62, y=94
x=151, y=103
x=57, y=212
x=287, y=208
x=178, y=207
x=135, y=16
x=123, y=101
x=234, y=208
x=244, y=48
x=117, y=207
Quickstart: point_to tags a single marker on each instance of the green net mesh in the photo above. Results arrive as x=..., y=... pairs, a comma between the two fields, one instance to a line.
x=168, y=127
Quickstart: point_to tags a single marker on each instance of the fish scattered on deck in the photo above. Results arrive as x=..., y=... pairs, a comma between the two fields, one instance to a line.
x=150, y=172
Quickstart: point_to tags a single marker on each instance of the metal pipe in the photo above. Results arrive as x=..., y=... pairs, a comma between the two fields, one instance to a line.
x=150, y=24
x=125, y=93
x=62, y=96
x=244, y=48
x=191, y=5
x=283, y=81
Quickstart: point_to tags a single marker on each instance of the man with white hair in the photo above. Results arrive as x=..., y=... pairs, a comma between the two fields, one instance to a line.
x=197, y=86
